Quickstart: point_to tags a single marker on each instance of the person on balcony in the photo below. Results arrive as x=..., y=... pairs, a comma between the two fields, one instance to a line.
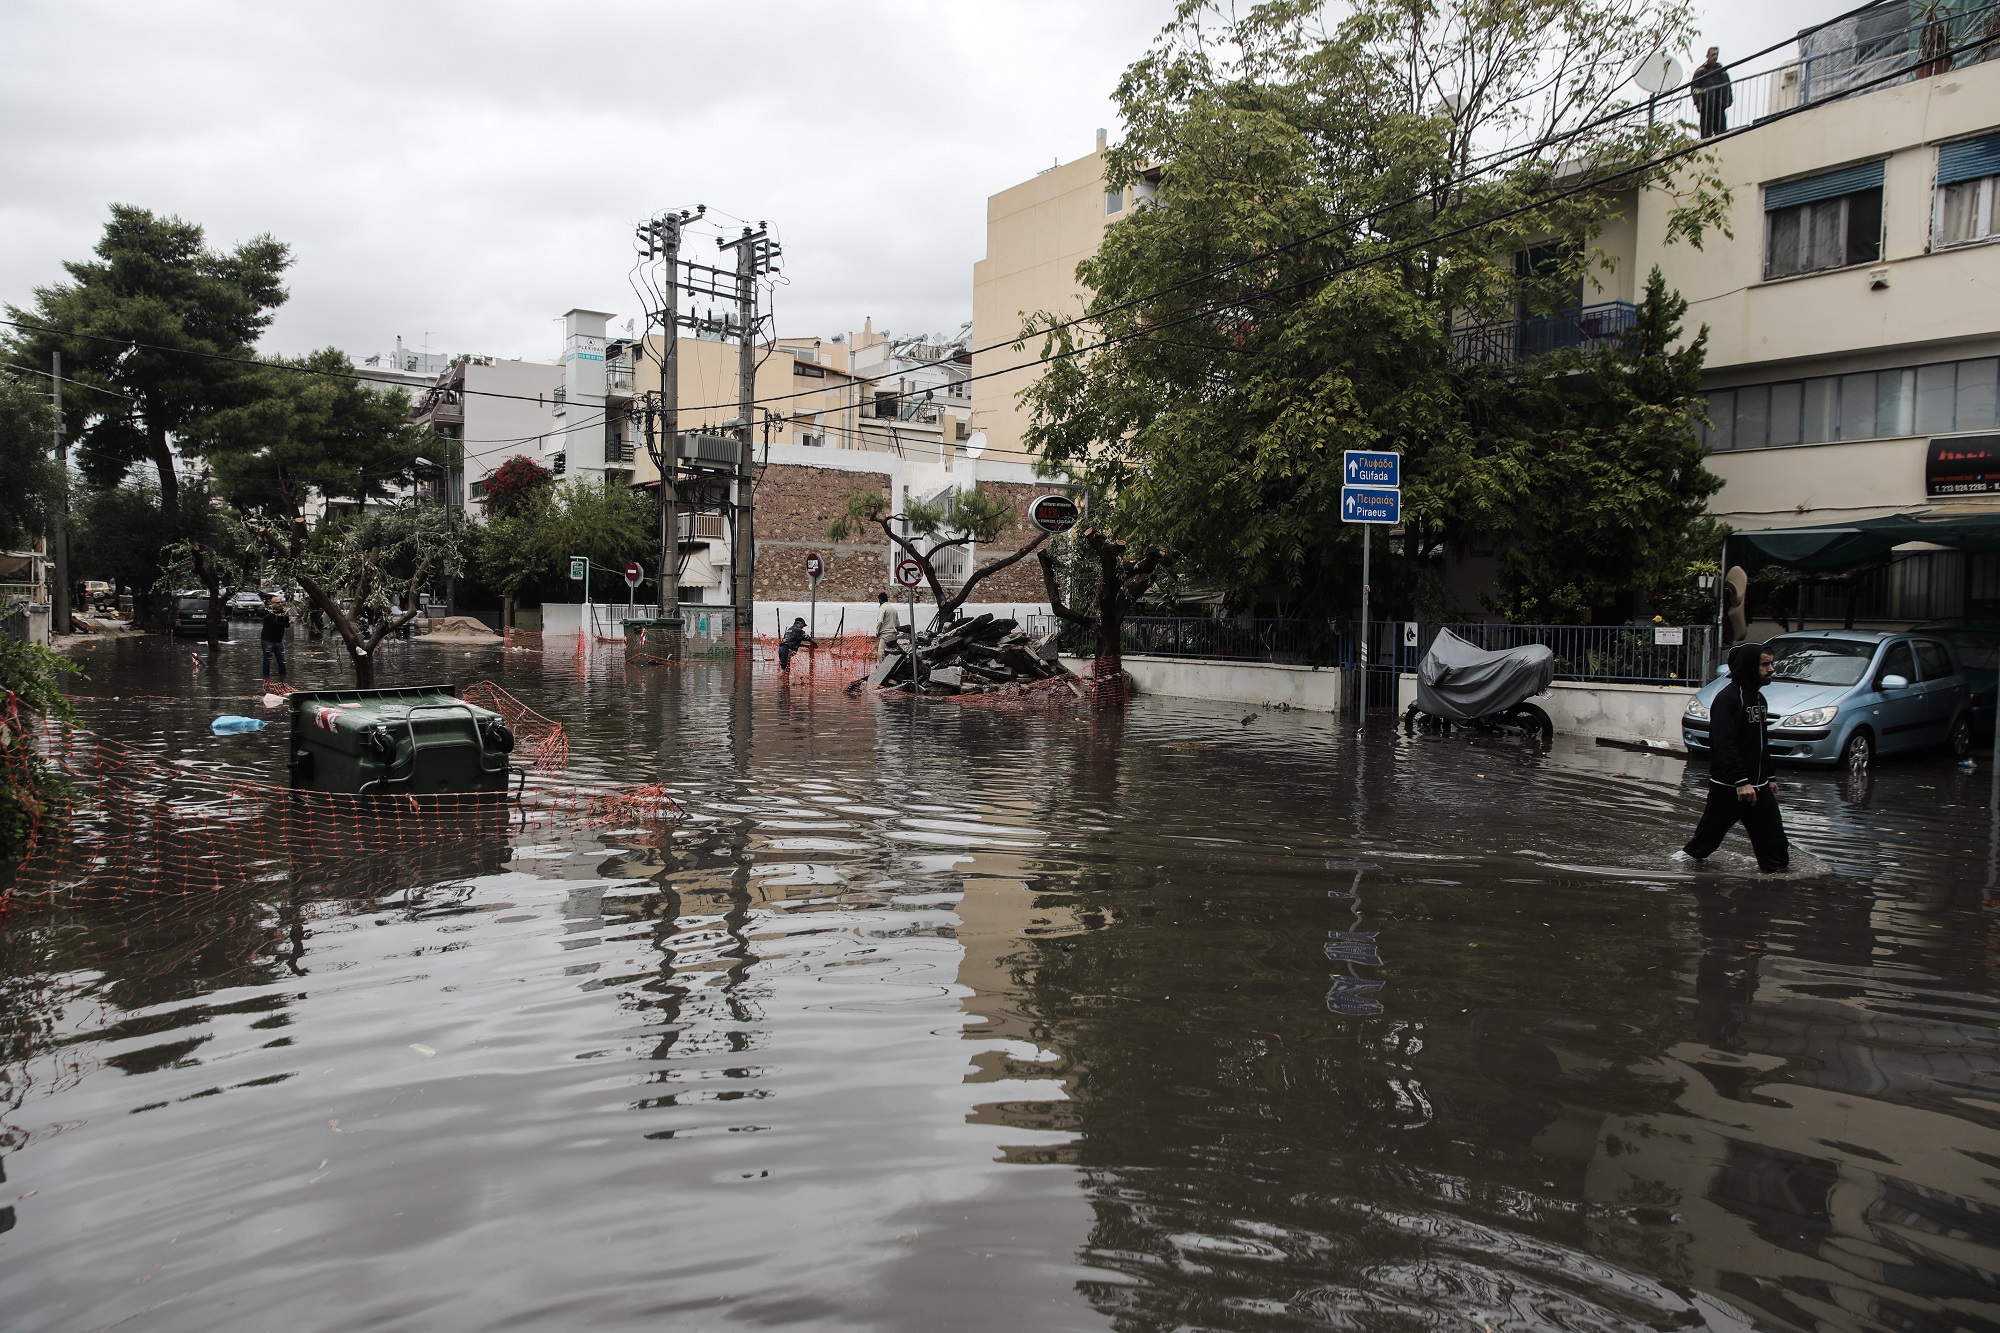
x=1713, y=94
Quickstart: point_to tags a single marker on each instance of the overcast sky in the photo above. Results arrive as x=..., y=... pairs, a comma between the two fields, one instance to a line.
x=462, y=173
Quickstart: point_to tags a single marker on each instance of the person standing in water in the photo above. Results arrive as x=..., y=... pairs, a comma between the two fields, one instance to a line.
x=1740, y=783
x=276, y=621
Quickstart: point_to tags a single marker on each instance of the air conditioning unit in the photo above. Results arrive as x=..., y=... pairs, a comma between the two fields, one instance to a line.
x=710, y=453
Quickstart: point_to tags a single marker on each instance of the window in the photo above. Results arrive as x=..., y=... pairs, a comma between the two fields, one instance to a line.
x=1936, y=664
x=1786, y=408
x=1721, y=433
x=809, y=370
x=1823, y=222
x=1897, y=662
x=1944, y=398
x=1114, y=200
x=1968, y=178
x=885, y=406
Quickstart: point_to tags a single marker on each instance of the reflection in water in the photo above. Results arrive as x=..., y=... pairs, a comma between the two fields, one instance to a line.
x=933, y=1016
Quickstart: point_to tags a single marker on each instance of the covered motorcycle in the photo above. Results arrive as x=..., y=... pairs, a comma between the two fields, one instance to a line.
x=1458, y=682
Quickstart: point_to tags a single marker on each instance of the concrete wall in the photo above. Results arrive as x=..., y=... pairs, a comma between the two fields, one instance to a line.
x=1622, y=712
x=1264, y=684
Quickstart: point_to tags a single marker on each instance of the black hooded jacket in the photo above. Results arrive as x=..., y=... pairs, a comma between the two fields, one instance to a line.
x=1738, y=751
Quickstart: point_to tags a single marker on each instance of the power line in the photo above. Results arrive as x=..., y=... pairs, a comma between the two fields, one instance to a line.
x=1595, y=182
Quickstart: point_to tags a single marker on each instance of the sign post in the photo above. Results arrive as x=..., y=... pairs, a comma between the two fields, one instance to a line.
x=579, y=571
x=909, y=573
x=634, y=573
x=814, y=568
x=1370, y=494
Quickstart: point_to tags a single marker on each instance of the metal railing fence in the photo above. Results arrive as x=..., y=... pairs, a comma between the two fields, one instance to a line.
x=1608, y=654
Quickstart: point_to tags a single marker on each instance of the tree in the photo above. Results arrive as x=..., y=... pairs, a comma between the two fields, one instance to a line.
x=514, y=487
x=957, y=521
x=27, y=431
x=526, y=551
x=1607, y=483
x=1116, y=583
x=120, y=535
x=308, y=430
x=363, y=571
x=215, y=550
x=164, y=322
x=1328, y=210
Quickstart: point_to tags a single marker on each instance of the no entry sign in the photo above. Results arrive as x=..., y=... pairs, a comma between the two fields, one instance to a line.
x=814, y=566
x=1053, y=513
x=635, y=573
x=909, y=573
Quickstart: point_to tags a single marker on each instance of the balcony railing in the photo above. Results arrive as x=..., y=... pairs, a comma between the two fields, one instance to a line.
x=618, y=378
x=1877, y=48
x=1588, y=327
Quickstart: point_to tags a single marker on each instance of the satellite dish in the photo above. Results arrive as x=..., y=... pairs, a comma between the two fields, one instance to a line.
x=1658, y=72
x=976, y=445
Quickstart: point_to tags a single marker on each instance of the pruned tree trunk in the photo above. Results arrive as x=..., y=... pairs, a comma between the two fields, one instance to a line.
x=948, y=606
x=1121, y=582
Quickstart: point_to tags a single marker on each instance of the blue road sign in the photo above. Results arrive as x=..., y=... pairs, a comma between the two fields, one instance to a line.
x=1360, y=467
x=1371, y=504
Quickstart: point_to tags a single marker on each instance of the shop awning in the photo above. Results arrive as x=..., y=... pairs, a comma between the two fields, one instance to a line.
x=1837, y=548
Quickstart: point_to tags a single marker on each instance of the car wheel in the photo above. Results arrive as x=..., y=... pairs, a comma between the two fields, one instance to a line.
x=1960, y=740
x=1859, y=753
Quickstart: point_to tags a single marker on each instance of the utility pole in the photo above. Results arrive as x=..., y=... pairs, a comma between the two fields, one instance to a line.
x=662, y=239
x=756, y=256
x=59, y=519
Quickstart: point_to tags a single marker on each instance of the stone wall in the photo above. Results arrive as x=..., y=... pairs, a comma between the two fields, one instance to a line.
x=794, y=507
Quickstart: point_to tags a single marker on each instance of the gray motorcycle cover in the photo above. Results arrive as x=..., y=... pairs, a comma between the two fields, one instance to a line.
x=1458, y=681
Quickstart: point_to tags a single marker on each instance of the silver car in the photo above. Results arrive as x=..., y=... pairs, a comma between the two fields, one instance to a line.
x=1843, y=696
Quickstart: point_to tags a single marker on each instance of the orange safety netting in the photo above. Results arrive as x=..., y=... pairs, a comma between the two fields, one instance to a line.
x=545, y=740
x=138, y=823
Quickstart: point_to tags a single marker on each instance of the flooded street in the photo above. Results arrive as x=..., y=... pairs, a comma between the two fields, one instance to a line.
x=936, y=1016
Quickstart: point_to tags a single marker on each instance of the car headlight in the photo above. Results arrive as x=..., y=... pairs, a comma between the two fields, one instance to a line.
x=1811, y=717
x=1697, y=711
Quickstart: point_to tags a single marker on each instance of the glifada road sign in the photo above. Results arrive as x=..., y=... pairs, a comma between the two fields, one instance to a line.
x=814, y=566
x=1371, y=504
x=909, y=573
x=634, y=573
x=1363, y=467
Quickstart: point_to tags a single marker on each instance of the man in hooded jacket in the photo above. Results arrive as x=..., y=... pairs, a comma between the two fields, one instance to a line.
x=1741, y=784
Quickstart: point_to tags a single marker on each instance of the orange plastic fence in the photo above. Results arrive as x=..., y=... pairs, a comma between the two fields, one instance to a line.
x=136, y=823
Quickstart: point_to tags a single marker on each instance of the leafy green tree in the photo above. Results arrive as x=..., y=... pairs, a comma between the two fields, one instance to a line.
x=1607, y=486
x=526, y=551
x=27, y=426
x=164, y=322
x=363, y=572
x=216, y=550
x=119, y=535
x=926, y=529
x=1329, y=201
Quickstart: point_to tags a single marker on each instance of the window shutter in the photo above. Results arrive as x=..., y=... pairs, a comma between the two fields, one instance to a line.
x=1968, y=160
x=1848, y=180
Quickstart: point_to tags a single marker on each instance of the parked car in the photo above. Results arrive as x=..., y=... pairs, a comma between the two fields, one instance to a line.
x=248, y=603
x=189, y=618
x=1976, y=646
x=1844, y=696
x=98, y=595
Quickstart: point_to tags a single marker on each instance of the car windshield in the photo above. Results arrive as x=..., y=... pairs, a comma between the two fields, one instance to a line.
x=192, y=605
x=1821, y=661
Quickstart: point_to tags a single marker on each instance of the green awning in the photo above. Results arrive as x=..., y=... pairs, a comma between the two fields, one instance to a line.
x=1839, y=547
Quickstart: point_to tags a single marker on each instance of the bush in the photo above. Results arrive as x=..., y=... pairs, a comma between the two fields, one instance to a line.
x=32, y=794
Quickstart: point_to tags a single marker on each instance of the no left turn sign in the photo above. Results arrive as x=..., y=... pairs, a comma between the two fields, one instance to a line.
x=909, y=573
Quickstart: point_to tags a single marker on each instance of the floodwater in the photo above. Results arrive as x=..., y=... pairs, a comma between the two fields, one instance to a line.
x=941, y=1017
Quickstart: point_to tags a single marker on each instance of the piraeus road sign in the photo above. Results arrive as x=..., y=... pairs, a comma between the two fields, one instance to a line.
x=1371, y=504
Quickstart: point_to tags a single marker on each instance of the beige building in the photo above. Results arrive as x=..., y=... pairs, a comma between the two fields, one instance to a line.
x=1037, y=232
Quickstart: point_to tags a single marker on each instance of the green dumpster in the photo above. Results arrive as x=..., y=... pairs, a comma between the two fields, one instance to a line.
x=417, y=740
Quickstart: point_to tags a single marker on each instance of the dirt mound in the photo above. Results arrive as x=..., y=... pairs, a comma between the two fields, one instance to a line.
x=459, y=629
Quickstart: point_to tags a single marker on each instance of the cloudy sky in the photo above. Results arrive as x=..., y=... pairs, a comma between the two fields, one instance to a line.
x=461, y=173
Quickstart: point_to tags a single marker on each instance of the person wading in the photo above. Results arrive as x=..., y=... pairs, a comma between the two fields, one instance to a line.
x=1740, y=783
x=888, y=626
x=794, y=639
x=276, y=622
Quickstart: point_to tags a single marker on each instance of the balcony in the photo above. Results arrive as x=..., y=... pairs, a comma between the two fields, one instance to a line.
x=701, y=527
x=1510, y=341
x=617, y=377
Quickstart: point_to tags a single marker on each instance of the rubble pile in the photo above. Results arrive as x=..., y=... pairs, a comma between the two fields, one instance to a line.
x=975, y=656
